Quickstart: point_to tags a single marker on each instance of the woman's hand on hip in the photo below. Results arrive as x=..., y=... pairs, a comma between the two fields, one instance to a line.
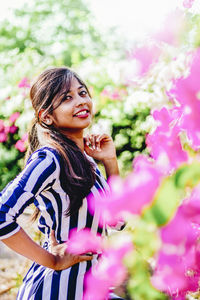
x=100, y=147
x=64, y=259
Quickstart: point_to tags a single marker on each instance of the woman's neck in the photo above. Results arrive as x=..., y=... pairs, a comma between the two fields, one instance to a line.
x=77, y=138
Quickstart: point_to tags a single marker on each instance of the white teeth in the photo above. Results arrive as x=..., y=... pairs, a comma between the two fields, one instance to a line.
x=81, y=113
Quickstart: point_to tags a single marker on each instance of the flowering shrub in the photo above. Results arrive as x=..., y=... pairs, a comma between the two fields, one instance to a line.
x=159, y=200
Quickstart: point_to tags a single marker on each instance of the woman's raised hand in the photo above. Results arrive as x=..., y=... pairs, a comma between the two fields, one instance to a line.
x=100, y=146
x=64, y=259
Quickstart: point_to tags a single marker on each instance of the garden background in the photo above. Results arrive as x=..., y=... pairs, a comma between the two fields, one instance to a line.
x=146, y=95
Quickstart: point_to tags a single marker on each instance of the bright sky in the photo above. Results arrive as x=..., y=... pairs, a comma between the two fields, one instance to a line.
x=135, y=18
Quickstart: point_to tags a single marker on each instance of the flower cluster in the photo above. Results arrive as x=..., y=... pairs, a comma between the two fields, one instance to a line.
x=128, y=196
x=8, y=129
x=109, y=271
x=188, y=3
x=177, y=270
x=178, y=265
x=21, y=144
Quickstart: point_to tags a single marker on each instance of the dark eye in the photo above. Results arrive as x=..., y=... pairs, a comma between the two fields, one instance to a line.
x=83, y=93
x=68, y=97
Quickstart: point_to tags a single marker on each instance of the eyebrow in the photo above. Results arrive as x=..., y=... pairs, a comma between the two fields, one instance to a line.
x=80, y=87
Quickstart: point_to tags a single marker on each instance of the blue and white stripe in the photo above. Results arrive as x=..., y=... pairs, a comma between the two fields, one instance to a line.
x=41, y=183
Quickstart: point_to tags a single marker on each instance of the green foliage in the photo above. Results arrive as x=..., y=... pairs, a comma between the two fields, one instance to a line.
x=40, y=35
x=63, y=30
x=139, y=263
x=126, y=131
x=10, y=164
x=170, y=193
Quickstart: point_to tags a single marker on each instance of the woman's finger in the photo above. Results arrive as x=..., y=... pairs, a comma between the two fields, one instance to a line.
x=84, y=257
x=92, y=139
x=97, y=142
x=104, y=136
x=87, y=140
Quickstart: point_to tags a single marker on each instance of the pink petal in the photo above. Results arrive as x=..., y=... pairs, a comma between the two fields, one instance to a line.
x=146, y=56
x=188, y=3
x=14, y=117
x=186, y=91
x=24, y=83
x=84, y=241
x=2, y=126
x=3, y=137
x=130, y=195
x=20, y=146
x=109, y=272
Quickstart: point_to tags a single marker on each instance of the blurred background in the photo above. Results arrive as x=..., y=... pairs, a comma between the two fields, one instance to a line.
x=128, y=52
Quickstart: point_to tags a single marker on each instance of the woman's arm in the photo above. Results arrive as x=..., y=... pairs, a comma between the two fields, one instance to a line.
x=111, y=166
x=59, y=259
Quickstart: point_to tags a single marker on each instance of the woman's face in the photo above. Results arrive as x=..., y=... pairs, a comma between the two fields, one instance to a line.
x=75, y=111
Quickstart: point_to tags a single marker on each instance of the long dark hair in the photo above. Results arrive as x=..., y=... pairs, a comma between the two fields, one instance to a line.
x=46, y=94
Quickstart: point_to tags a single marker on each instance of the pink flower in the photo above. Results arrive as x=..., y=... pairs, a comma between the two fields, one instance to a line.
x=178, y=267
x=130, y=195
x=105, y=93
x=11, y=129
x=20, y=146
x=188, y=3
x=146, y=56
x=14, y=117
x=84, y=241
x=115, y=95
x=172, y=28
x=186, y=91
x=24, y=83
x=3, y=137
x=24, y=137
x=165, y=144
x=109, y=272
x=2, y=126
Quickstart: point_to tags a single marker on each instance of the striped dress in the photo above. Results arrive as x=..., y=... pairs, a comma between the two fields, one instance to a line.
x=41, y=182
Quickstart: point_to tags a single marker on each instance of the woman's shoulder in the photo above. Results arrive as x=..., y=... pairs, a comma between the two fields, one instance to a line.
x=45, y=152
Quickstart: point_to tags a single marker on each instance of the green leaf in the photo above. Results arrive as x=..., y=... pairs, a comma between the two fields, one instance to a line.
x=170, y=194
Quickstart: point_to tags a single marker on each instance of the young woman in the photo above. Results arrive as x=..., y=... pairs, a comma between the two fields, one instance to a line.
x=59, y=174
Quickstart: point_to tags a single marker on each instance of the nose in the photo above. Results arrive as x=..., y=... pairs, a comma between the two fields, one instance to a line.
x=81, y=100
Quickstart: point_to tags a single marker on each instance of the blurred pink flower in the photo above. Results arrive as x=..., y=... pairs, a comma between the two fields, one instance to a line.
x=146, y=56
x=188, y=3
x=108, y=272
x=172, y=28
x=3, y=137
x=24, y=83
x=178, y=266
x=14, y=117
x=20, y=146
x=84, y=241
x=187, y=92
x=2, y=126
x=130, y=195
x=164, y=143
x=24, y=137
x=116, y=94
x=11, y=129
x=105, y=93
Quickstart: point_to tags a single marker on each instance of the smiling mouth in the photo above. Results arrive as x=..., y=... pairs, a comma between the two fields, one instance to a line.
x=82, y=113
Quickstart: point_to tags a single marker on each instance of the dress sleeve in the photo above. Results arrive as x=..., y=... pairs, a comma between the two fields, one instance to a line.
x=39, y=174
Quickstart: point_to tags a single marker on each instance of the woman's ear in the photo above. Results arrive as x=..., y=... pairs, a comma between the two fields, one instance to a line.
x=45, y=118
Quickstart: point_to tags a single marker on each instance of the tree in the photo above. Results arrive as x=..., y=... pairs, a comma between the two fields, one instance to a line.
x=64, y=30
